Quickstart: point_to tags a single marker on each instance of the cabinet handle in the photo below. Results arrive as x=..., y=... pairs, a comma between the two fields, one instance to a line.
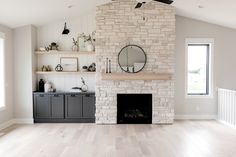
x=56, y=95
x=87, y=95
x=41, y=95
x=72, y=95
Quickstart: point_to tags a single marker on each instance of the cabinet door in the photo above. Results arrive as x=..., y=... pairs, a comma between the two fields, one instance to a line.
x=73, y=106
x=89, y=106
x=42, y=106
x=57, y=102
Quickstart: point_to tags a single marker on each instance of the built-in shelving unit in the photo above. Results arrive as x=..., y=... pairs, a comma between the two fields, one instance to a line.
x=64, y=53
x=61, y=73
x=137, y=76
x=70, y=78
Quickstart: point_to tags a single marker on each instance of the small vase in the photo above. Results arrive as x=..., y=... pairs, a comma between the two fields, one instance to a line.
x=47, y=87
x=41, y=85
x=75, y=48
x=90, y=47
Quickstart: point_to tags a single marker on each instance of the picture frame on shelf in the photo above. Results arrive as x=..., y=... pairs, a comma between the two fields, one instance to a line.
x=69, y=64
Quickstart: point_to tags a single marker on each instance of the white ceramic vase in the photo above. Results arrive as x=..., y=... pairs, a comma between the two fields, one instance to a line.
x=90, y=47
x=47, y=87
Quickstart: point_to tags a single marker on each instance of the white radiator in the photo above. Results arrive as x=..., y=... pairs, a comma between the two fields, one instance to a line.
x=227, y=106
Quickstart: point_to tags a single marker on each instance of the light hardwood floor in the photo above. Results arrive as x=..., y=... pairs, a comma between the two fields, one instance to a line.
x=183, y=139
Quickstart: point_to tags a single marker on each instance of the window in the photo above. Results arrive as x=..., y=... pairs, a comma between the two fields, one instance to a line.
x=198, y=68
x=2, y=84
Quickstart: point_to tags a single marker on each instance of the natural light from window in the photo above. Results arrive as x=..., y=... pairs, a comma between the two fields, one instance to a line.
x=198, y=69
x=2, y=89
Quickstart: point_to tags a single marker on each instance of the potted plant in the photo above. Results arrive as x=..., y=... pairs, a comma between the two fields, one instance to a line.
x=88, y=41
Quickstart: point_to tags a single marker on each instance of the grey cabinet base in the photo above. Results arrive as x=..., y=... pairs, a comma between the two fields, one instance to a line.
x=81, y=120
x=64, y=107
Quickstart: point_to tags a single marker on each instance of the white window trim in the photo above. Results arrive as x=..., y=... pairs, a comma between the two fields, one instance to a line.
x=2, y=36
x=210, y=41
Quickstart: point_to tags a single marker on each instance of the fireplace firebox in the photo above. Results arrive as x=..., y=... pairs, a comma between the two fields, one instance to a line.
x=134, y=108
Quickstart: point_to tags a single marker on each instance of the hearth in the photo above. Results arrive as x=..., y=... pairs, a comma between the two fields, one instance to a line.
x=134, y=108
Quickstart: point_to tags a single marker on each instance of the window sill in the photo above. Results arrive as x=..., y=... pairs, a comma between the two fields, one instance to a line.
x=199, y=96
x=2, y=108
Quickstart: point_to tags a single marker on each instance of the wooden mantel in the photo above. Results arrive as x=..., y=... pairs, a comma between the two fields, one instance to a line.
x=137, y=76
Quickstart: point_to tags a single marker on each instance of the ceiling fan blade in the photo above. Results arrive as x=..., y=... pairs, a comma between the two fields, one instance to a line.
x=165, y=1
x=138, y=5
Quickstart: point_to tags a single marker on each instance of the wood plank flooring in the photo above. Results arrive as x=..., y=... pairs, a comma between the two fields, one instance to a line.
x=183, y=139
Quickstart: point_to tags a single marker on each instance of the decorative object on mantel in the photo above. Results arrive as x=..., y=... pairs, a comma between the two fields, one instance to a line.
x=48, y=87
x=82, y=46
x=75, y=47
x=132, y=59
x=109, y=66
x=46, y=68
x=69, y=64
x=53, y=46
x=106, y=64
x=86, y=42
x=47, y=48
x=92, y=67
x=84, y=69
x=137, y=76
x=75, y=89
x=65, y=31
x=59, y=68
x=84, y=87
x=41, y=85
x=49, y=68
x=42, y=49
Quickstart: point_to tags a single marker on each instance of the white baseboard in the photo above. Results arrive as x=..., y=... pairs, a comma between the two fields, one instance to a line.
x=23, y=121
x=195, y=117
x=6, y=124
x=16, y=121
x=227, y=124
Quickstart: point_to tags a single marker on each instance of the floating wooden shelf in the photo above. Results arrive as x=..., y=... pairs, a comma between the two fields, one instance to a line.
x=138, y=76
x=61, y=73
x=64, y=53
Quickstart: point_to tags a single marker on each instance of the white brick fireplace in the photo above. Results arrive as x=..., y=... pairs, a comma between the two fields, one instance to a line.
x=153, y=28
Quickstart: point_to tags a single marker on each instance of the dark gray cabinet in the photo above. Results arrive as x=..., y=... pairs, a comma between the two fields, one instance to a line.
x=48, y=106
x=57, y=104
x=88, y=106
x=42, y=106
x=64, y=107
x=74, y=106
x=80, y=106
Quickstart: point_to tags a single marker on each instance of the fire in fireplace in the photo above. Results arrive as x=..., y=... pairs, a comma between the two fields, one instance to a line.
x=134, y=108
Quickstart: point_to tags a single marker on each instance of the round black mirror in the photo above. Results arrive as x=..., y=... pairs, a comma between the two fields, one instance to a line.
x=132, y=59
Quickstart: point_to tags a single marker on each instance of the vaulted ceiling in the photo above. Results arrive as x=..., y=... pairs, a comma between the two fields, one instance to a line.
x=14, y=13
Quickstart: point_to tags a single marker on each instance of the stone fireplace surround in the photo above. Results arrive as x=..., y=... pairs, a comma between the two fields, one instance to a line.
x=153, y=28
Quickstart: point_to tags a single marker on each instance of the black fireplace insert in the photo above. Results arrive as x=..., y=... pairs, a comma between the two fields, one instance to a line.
x=134, y=108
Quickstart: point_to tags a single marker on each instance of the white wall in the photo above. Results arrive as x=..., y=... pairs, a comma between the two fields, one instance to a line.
x=23, y=51
x=224, y=64
x=52, y=32
x=7, y=114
